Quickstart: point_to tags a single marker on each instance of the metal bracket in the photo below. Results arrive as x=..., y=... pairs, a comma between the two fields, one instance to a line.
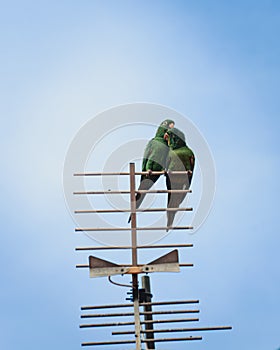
x=100, y=268
x=166, y=263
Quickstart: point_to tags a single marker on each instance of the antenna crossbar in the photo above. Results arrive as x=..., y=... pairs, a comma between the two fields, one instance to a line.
x=128, y=192
x=128, y=173
x=160, y=246
x=112, y=324
x=168, y=312
x=117, y=342
x=94, y=229
x=156, y=303
x=150, y=210
x=170, y=330
x=164, y=340
x=142, y=341
x=81, y=266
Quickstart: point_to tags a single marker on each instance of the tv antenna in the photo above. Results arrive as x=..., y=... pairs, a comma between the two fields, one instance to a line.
x=142, y=307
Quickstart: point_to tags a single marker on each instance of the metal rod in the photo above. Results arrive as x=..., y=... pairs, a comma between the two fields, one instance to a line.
x=157, y=303
x=133, y=215
x=148, y=313
x=101, y=192
x=128, y=173
x=200, y=329
x=128, y=192
x=163, y=340
x=173, y=320
x=169, y=312
x=143, y=341
x=117, y=342
x=83, y=266
x=129, y=210
x=78, y=229
x=176, y=302
x=108, y=315
x=112, y=324
x=134, y=256
x=137, y=322
x=138, y=247
x=101, y=174
x=164, y=191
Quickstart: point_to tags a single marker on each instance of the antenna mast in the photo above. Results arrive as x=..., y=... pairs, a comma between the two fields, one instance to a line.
x=144, y=332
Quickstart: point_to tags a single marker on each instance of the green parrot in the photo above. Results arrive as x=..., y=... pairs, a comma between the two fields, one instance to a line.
x=154, y=159
x=180, y=158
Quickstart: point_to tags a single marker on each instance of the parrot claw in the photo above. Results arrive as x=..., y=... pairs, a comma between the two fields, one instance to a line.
x=149, y=171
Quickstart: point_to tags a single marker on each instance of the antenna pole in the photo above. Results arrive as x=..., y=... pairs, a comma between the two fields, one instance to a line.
x=134, y=257
x=146, y=285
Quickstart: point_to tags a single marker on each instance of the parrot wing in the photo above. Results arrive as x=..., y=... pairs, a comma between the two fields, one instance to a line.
x=175, y=182
x=179, y=160
x=147, y=153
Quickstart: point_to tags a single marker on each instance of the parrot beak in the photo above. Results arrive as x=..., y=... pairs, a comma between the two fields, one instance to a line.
x=167, y=138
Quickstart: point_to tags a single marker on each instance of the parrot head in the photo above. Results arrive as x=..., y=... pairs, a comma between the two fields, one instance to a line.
x=176, y=138
x=168, y=124
x=164, y=126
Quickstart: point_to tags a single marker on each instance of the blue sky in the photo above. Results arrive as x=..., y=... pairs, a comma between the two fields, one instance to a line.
x=63, y=62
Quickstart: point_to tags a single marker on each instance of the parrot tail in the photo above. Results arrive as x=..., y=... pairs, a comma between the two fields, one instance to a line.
x=170, y=219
